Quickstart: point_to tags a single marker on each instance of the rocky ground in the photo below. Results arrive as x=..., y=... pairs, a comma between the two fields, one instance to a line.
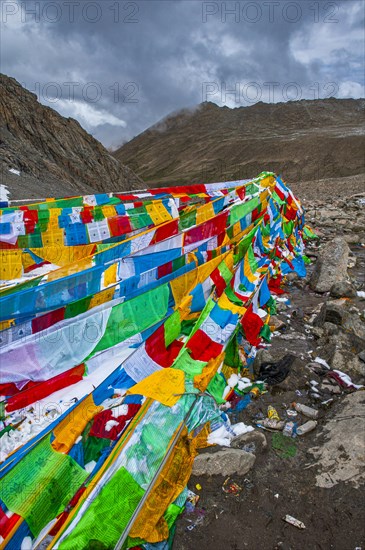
x=319, y=477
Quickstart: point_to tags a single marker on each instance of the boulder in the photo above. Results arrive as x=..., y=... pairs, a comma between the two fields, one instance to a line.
x=331, y=266
x=342, y=289
x=340, y=457
x=332, y=389
x=333, y=311
x=347, y=362
x=225, y=463
x=352, y=238
x=354, y=324
x=330, y=329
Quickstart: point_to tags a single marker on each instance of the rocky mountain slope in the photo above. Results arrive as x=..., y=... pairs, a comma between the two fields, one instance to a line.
x=54, y=155
x=303, y=140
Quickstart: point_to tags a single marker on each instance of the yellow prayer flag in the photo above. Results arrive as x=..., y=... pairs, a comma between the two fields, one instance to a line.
x=72, y=426
x=162, y=385
x=202, y=380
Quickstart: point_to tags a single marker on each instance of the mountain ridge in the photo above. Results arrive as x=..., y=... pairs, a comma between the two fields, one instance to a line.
x=303, y=140
x=54, y=155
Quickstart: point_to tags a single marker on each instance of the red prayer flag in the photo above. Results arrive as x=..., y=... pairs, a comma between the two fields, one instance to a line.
x=252, y=325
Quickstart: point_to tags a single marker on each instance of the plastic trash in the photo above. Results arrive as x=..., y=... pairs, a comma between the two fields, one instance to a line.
x=230, y=487
x=255, y=392
x=307, y=411
x=294, y=521
x=307, y=427
x=191, y=501
x=290, y=429
x=272, y=413
x=249, y=448
x=272, y=423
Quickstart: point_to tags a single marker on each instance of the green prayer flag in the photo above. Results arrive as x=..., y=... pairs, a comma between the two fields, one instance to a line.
x=266, y=333
x=191, y=367
x=288, y=228
x=78, y=307
x=216, y=388
x=232, y=357
x=134, y=316
x=277, y=199
x=39, y=487
x=241, y=210
x=172, y=328
x=107, y=516
x=271, y=305
x=187, y=220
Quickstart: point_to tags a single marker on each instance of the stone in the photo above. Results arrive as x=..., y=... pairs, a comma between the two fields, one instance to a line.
x=276, y=323
x=292, y=276
x=330, y=329
x=317, y=332
x=352, y=238
x=347, y=362
x=342, y=289
x=354, y=324
x=343, y=341
x=340, y=457
x=333, y=311
x=331, y=266
x=361, y=356
x=330, y=388
x=225, y=463
x=255, y=437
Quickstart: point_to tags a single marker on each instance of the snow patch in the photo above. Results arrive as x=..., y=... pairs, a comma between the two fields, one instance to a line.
x=4, y=193
x=14, y=171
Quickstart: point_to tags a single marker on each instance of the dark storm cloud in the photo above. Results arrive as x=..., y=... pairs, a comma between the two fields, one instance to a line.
x=118, y=67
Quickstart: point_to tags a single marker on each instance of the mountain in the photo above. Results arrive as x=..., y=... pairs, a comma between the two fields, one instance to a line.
x=303, y=140
x=53, y=155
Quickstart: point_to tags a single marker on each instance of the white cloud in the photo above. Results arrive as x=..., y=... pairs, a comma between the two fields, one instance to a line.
x=87, y=114
x=351, y=89
x=323, y=40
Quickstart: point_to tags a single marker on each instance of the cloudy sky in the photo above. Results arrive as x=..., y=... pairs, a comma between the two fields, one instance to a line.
x=120, y=66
